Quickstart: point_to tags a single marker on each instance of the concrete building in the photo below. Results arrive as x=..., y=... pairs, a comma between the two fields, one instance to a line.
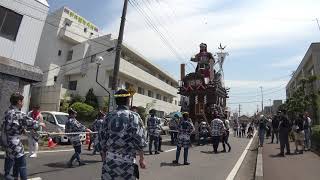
x=268, y=110
x=21, y=25
x=309, y=66
x=70, y=58
x=276, y=105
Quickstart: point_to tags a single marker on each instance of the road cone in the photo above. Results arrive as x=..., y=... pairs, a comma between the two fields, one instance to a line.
x=87, y=138
x=51, y=144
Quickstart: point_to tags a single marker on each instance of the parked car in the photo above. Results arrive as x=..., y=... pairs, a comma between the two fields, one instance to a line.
x=55, y=122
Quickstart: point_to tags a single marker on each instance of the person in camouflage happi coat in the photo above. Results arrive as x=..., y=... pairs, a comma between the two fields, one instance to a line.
x=121, y=138
x=15, y=123
x=96, y=126
x=74, y=126
x=185, y=128
x=154, y=129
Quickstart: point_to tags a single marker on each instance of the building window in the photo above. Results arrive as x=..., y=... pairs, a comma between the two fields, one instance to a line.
x=73, y=85
x=69, y=57
x=9, y=23
x=140, y=90
x=55, y=78
x=158, y=96
x=175, y=102
x=93, y=58
x=59, y=53
x=85, y=30
x=165, y=99
x=150, y=93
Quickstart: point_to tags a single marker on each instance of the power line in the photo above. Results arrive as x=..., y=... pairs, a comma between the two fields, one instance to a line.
x=151, y=25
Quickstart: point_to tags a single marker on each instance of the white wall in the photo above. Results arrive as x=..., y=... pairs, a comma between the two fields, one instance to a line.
x=24, y=48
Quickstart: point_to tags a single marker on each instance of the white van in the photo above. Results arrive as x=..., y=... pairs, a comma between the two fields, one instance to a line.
x=55, y=122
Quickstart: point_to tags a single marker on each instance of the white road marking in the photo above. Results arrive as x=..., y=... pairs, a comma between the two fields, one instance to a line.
x=36, y=178
x=236, y=168
x=170, y=150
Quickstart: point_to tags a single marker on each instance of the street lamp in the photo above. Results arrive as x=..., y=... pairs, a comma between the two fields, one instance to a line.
x=99, y=60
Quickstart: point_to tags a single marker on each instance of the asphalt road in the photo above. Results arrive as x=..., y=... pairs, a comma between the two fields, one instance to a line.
x=204, y=164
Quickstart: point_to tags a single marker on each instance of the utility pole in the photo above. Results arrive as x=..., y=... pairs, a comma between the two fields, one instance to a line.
x=118, y=48
x=261, y=98
x=270, y=107
x=239, y=110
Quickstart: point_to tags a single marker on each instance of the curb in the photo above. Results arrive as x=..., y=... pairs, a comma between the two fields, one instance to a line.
x=259, y=165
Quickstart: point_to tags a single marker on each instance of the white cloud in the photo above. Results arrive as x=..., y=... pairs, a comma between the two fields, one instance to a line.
x=245, y=84
x=289, y=62
x=251, y=24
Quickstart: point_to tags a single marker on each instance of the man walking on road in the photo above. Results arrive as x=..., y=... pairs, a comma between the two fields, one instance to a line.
x=262, y=129
x=121, y=137
x=74, y=126
x=153, y=127
x=225, y=136
x=14, y=124
x=216, y=131
x=275, y=127
x=33, y=135
x=185, y=128
x=307, y=131
x=284, y=129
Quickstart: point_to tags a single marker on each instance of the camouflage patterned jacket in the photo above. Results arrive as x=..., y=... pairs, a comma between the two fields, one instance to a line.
x=72, y=126
x=122, y=132
x=15, y=123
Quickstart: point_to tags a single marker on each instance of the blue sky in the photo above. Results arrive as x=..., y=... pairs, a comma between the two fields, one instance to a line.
x=266, y=39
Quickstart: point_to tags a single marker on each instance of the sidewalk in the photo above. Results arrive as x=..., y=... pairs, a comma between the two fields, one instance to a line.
x=291, y=167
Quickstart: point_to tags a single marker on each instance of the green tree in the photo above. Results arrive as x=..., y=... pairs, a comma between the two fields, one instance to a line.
x=85, y=112
x=91, y=99
x=76, y=98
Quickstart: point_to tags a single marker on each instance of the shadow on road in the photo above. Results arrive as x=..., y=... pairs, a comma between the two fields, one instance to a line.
x=64, y=164
x=207, y=152
x=43, y=172
x=169, y=164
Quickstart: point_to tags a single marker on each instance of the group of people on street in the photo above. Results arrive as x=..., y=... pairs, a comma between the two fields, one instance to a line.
x=281, y=127
x=119, y=137
x=243, y=129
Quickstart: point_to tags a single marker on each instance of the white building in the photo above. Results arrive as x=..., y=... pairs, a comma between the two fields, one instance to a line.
x=70, y=57
x=21, y=24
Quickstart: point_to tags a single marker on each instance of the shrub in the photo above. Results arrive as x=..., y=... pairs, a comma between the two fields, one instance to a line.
x=85, y=111
x=76, y=98
x=316, y=134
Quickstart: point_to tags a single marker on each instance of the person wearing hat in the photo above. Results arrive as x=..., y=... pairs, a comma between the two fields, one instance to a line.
x=185, y=128
x=14, y=124
x=74, y=126
x=121, y=137
x=203, y=133
x=33, y=135
x=217, y=130
x=154, y=129
x=96, y=126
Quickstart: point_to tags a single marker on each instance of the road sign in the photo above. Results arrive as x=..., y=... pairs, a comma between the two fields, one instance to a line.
x=131, y=90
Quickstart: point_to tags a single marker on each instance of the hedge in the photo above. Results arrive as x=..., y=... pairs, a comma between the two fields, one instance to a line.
x=316, y=137
x=85, y=111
